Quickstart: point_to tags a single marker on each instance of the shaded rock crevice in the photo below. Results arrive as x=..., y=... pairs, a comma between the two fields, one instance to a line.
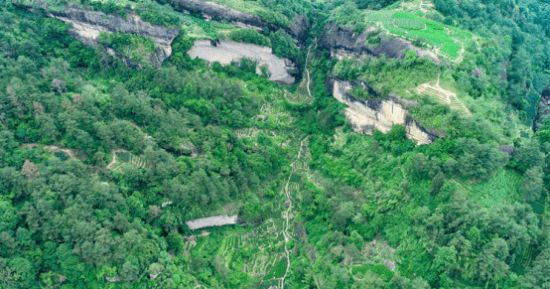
x=343, y=42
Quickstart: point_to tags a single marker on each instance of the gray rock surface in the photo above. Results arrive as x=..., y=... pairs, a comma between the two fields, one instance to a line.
x=342, y=42
x=87, y=24
x=212, y=221
x=211, y=10
x=225, y=52
x=543, y=109
x=365, y=116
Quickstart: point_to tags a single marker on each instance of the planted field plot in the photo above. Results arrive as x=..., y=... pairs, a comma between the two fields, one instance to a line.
x=446, y=41
x=318, y=180
x=298, y=98
x=539, y=205
x=444, y=96
x=503, y=188
x=380, y=270
x=126, y=158
x=524, y=261
x=262, y=251
x=256, y=252
x=277, y=115
x=249, y=132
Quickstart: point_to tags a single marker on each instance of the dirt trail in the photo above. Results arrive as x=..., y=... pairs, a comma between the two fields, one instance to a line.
x=113, y=162
x=306, y=66
x=147, y=136
x=71, y=153
x=443, y=95
x=287, y=215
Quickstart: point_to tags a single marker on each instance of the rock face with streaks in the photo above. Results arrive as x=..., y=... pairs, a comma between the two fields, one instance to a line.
x=226, y=52
x=299, y=28
x=365, y=116
x=343, y=42
x=87, y=24
x=543, y=109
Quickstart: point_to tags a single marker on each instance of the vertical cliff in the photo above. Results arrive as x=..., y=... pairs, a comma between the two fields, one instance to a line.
x=299, y=28
x=543, y=109
x=87, y=24
x=365, y=116
x=342, y=42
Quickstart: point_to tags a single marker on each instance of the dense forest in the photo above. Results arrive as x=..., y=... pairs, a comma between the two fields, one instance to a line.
x=105, y=155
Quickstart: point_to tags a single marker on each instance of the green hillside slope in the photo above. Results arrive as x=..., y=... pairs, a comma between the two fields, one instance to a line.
x=111, y=140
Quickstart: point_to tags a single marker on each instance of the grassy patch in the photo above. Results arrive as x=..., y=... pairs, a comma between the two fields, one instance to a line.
x=503, y=188
x=295, y=178
x=278, y=270
x=409, y=24
x=540, y=204
x=449, y=40
x=380, y=270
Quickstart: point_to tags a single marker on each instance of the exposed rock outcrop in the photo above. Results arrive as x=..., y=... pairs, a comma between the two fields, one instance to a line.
x=365, y=116
x=87, y=24
x=212, y=221
x=543, y=109
x=112, y=279
x=225, y=52
x=343, y=42
x=299, y=29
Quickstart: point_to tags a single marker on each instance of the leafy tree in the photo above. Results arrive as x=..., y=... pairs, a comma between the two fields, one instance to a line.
x=437, y=182
x=528, y=156
x=538, y=275
x=532, y=184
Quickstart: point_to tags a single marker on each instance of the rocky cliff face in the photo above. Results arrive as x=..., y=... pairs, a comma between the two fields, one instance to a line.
x=299, y=29
x=343, y=42
x=87, y=24
x=225, y=52
x=543, y=109
x=365, y=116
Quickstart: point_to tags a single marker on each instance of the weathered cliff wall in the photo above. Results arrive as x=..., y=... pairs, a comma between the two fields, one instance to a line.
x=343, y=42
x=87, y=24
x=299, y=29
x=365, y=116
x=543, y=109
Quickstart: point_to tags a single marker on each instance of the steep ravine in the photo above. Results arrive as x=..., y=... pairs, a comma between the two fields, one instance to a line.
x=341, y=41
x=365, y=116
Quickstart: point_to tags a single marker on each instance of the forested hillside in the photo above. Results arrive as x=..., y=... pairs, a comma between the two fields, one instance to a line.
x=112, y=139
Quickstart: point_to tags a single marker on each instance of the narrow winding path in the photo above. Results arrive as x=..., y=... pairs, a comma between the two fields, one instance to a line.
x=288, y=214
x=114, y=157
x=446, y=96
x=307, y=69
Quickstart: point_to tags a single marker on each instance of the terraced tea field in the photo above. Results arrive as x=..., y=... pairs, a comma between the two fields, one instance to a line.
x=408, y=23
x=444, y=96
x=503, y=188
x=122, y=157
x=262, y=251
